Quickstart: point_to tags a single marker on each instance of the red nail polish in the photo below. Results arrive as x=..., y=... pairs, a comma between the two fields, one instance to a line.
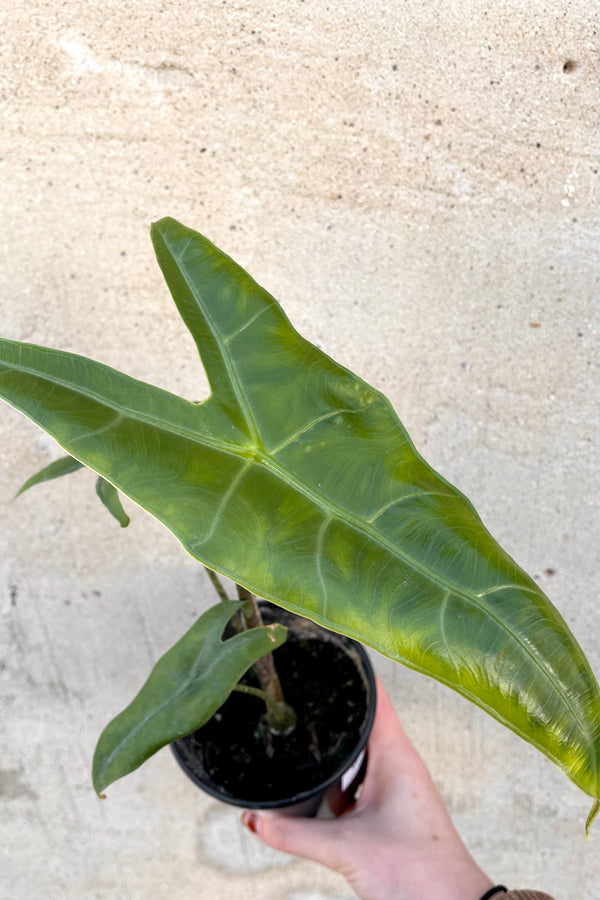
x=250, y=820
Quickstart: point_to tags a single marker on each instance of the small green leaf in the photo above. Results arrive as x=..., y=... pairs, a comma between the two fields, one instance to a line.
x=110, y=498
x=185, y=688
x=63, y=466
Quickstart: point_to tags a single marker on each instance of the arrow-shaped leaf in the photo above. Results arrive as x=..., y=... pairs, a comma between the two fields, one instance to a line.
x=296, y=479
x=185, y=688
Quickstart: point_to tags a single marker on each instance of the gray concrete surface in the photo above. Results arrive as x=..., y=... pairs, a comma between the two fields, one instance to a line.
x=418, y=184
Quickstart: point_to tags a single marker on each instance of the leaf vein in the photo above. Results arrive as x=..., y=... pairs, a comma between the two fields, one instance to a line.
x=247, y=324
x=318, y=555
x=224, y=501
x=379, y=512
x=273, y=451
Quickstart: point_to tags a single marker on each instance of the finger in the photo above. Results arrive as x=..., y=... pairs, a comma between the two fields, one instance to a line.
x=387, y=730
x=315, y=839
x=393, y=761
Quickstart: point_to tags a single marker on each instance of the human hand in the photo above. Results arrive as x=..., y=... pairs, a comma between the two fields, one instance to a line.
x=397, y=841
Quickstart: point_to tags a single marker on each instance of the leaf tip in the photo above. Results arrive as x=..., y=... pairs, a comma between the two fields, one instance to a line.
x=24, y=487
x=593, y=813
x=100, y=784
x=277, y=633
x=99, y=780
x=161, y=225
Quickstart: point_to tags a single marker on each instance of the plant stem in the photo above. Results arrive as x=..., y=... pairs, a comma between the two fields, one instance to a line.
x=217, y=584
x=265, y=667
x=281, y=716
x=256, y=692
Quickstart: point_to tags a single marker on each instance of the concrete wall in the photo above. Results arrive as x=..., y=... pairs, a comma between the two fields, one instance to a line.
x=418, y=184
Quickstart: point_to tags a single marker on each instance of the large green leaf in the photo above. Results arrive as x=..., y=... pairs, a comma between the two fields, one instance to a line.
x=185, y=688
x=297, y=479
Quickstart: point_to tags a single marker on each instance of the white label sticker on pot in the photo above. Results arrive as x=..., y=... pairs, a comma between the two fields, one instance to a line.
x=349, y=776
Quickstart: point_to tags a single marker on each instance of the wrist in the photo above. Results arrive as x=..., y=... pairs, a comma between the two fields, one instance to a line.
x=480, y=888
x=495, y=892
x=470, y=885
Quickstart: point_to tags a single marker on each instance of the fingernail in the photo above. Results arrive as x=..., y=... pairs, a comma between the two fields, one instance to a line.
x=250, y=820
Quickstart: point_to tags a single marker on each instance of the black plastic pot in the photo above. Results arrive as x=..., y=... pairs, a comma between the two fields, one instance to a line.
x=330, y=682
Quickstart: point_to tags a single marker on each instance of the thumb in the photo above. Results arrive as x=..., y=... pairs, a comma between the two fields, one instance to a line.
x=315, y=839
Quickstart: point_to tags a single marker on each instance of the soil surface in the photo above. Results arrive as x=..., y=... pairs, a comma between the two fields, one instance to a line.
x=239, y=756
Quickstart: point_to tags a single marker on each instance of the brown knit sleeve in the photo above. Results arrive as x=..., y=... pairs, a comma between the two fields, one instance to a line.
x=524, y=895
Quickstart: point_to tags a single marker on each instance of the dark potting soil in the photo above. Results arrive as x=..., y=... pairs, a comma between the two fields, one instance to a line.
x=245, y=760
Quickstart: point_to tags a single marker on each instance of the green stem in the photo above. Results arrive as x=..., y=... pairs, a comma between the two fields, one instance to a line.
x=256, y=692
x=217, y=584
x=281, y=717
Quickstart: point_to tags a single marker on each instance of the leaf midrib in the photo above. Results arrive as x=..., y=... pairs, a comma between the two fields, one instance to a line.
x=167, y=425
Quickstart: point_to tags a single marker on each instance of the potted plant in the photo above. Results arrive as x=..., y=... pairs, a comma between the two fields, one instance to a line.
x=297, y=480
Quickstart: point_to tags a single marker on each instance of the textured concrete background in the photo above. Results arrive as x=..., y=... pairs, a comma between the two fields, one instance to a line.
x=418, y=184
